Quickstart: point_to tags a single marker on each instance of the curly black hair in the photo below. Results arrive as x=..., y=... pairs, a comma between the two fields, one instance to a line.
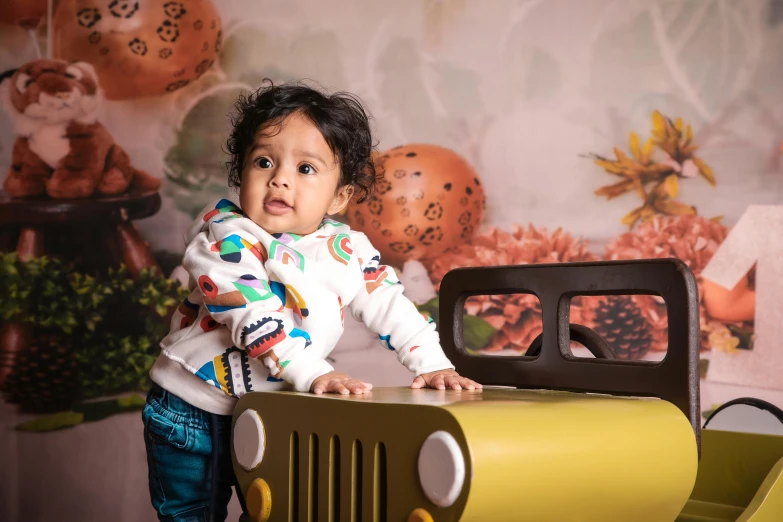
x=339, y=117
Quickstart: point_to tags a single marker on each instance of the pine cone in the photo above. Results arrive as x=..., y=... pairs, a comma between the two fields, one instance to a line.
x=692, y=239
x=517, y=317
x=43, y=378
x=621, y=323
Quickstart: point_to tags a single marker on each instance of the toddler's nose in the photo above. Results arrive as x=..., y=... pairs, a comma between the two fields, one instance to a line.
x=281, y=178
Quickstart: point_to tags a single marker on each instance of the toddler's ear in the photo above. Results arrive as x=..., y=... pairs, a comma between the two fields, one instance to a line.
x=341, y=199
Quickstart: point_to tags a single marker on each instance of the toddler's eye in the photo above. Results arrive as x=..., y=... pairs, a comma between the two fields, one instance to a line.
x=263, y=163
x=306, y=169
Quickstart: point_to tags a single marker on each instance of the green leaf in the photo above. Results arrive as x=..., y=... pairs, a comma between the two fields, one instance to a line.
x=99, y=410
x=134, y=401
x=477, y=332
x=431, y=307
x=58, y=421
x=706, y=414
x=746, y=336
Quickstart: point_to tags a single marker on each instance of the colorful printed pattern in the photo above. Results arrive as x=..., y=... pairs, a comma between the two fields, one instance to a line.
x=219, y=302
x=296, y=332
x=291, y=299
x=224, y=206
x=329, y=222
x=276, y=366
x=230, y=249
x=286, y=255
x=208, y=324
x=249, y=289
x=189, y=313
x=262, y=336
x=252, y=288
x=273, y=364
x=375, y=275
x=340, y=247
x=286, y=238
x=229, y=371
x=386, y=340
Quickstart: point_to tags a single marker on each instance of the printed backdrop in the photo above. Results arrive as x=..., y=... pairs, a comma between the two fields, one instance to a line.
x=509, y=132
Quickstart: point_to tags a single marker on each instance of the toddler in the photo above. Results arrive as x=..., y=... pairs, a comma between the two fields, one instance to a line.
x=270, y=279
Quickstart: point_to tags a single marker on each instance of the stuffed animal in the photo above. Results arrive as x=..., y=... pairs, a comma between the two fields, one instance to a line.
x=61, y=149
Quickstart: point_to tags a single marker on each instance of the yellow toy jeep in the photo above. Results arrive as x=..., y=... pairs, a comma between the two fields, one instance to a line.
x=551, y=438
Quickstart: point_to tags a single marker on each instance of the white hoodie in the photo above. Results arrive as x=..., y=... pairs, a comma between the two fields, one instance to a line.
x=266, y=309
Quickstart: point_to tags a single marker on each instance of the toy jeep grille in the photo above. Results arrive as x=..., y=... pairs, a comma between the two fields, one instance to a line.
x=340, y=481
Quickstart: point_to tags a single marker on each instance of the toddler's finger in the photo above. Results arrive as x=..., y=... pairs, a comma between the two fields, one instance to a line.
x=453, y=382
x=355, y=387
x=338, y=387
x=418, y=382
x=467, y=383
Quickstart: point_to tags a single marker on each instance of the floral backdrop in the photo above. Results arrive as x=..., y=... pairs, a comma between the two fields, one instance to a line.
x=531, y=132
x=509, y=131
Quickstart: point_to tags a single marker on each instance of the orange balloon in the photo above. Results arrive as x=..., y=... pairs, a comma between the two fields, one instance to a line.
x=139, y=49
x=429, y=199
x=25, y=13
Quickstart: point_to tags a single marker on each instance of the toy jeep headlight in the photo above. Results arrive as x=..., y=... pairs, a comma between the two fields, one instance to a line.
x=249, y=439
x=441, y=468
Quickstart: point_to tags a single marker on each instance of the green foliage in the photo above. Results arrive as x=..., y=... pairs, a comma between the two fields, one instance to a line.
x=113, y=323
x=477, y=331
x=44, y=293
x=56, y=421
x=745, y=335
x=84, y=412
x=708, y=412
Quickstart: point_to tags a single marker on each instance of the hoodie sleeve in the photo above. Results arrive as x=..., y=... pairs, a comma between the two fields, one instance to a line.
x=382, y=307
x=226, y=262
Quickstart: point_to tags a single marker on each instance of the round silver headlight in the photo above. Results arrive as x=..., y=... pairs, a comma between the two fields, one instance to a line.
x=441, y=468
x=249, y=439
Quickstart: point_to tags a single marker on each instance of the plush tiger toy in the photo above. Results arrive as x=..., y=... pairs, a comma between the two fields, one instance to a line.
x=61, y=149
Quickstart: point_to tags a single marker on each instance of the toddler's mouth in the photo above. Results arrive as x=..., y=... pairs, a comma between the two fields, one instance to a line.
x=276, y=206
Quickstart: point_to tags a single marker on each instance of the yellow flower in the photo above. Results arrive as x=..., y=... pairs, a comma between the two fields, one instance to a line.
x=637, y=170
x=675, y=139
x=655, y=182
x=722, y=340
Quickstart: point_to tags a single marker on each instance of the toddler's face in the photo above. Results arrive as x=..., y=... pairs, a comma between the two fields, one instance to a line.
x=290, y=178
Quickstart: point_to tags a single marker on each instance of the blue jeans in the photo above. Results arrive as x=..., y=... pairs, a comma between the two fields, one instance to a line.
x=189, y=459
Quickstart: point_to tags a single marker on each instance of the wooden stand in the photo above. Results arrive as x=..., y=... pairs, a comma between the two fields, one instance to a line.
x=94, y=234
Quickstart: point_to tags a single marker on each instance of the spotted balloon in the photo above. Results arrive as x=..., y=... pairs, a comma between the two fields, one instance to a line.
x=139, y=48
x=429, y=199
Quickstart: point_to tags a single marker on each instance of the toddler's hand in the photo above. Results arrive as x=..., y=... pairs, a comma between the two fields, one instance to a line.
x=444, y=378
x=336, y=382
